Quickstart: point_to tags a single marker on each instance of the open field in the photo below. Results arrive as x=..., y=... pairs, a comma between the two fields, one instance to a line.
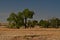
x=30, y=34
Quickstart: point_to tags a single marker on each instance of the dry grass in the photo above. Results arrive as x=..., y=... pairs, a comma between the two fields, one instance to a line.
x=30, y=34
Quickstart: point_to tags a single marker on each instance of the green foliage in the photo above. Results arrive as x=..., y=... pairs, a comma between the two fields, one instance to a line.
x=30, y=24
x=27, y=14
x=12, y=17
x=35, y=22
x=15, y=20
x=21, y=19
x=44, y=23
x=55, y=22
x=51, y=23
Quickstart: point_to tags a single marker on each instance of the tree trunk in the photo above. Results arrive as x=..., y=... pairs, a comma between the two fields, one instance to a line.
x=25, y=22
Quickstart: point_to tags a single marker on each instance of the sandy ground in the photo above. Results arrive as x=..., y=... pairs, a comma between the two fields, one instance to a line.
x=30, y=34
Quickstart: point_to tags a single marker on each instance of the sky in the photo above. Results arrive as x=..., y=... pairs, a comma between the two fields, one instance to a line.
x=44, y=9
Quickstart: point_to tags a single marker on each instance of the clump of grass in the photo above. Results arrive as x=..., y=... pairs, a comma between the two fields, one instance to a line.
x=32, y=36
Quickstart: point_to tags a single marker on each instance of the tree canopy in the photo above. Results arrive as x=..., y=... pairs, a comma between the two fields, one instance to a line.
x=17, y=20
x=20, y=18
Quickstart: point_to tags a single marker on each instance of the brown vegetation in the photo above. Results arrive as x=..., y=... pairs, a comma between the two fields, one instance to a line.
x=30, y=34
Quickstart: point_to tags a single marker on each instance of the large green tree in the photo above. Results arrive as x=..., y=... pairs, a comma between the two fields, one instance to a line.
x=20, y=18
x=27, y=14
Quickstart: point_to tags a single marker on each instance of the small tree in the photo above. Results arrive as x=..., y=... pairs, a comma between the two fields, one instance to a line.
x=55, y=22
x=35, y=22
x=32, y=24
x=44, y=23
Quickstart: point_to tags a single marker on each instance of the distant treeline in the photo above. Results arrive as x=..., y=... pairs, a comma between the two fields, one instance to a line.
x=20, y=19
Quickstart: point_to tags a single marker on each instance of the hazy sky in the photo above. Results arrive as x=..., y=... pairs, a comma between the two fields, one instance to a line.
x=44, y=9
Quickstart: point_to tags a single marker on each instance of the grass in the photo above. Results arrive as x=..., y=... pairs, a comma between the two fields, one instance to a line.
x=30, y=34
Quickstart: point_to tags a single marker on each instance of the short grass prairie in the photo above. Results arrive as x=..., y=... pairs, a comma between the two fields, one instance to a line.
x=30, y=34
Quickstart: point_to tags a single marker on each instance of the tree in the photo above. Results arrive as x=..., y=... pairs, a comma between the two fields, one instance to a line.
x=12, y=19
x=20, y=18
x=27, y=14
x=15, y=20
x=44, y=23
x=41, y=22
x=32, y=23
x=35, y=22
x=55, y=22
